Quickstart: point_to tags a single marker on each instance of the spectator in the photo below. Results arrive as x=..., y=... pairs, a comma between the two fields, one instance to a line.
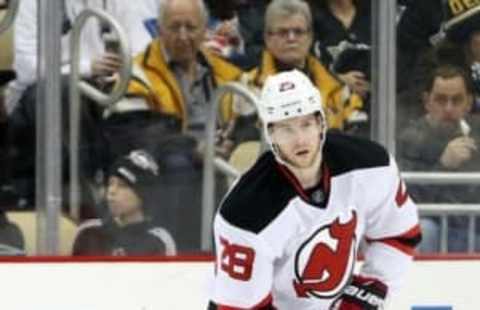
x=422, y=50
x=12, y=242
x=174, y=75
x=418, y=26
x=471, y=49
x=5, y=77
x=250, y=15
x=95, y=61
x=444, y=139
x=173, y=82
x=342, y=33
x=462, y=30
x=288, y=37
x=127, y=229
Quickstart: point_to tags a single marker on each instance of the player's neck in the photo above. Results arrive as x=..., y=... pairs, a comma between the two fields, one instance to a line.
x=310, y=176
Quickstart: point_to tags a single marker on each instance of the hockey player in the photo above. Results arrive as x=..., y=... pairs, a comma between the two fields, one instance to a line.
x=288, y=233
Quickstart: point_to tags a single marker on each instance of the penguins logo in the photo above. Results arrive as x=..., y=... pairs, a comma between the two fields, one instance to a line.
x=325, y=261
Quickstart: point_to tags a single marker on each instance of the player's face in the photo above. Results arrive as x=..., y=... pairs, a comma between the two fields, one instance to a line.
x=289, y=39
x=448, y=102
x=122, y=201
x=183, y=30
x=298, y=140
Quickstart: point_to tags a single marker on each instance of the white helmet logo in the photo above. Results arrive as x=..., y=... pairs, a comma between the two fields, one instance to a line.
x=286, y=86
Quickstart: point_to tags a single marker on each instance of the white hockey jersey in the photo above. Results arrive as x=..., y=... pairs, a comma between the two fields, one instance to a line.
x=278, y=249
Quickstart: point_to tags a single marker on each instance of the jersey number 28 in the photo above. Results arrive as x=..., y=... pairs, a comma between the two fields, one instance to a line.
x=237, y=260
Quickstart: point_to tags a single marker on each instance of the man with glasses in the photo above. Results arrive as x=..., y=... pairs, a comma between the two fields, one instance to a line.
x=288, y=37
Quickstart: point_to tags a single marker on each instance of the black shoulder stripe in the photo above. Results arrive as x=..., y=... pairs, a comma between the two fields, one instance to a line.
x=259, y=196
x=344, y=153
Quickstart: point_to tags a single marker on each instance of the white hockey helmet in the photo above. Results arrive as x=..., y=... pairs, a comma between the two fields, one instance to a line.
x=286, y=95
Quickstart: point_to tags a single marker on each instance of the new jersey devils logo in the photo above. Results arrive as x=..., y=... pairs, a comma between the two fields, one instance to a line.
x=324, y=263
x=286, y=86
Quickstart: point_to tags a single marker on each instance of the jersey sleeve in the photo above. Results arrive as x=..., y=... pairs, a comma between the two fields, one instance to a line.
x=392, y=228
x=243, y=269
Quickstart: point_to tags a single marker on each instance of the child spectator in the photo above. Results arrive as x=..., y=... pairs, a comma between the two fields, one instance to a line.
x=127, y=229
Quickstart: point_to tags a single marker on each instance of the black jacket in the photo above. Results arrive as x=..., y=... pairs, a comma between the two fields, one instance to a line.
x=106, y=238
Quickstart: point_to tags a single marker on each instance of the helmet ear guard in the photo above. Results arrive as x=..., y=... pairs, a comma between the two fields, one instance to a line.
x=286, y=95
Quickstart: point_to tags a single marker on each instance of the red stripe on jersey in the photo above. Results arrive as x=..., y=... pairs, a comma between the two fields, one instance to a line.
x=405, y=242
x=402, y=195
x=412, y=233
x=292, y=179
x=265, y=304
x=400, y=246
x=325, y=181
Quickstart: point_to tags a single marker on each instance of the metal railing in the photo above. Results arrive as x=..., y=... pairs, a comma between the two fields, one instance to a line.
x=443, y=211
x=9, y=17
x=211, y=162
x=77, y=86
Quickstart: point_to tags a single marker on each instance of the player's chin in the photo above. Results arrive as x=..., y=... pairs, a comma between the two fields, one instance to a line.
x=303, y=161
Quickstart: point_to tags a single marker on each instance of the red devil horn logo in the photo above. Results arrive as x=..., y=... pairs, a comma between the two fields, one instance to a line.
x=327, y=269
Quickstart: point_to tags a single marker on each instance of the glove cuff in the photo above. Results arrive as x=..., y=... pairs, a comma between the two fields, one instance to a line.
x=362, y=294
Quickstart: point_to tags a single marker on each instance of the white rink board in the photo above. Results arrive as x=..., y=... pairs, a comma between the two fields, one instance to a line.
x=182, y=286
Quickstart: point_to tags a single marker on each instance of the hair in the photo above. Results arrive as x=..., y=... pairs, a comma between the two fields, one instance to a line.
x=283, y=8
x=447, y=72
x=164, y=6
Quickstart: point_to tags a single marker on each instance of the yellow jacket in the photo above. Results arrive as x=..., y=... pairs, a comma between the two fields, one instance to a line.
x=339, y=102
x=153, y=80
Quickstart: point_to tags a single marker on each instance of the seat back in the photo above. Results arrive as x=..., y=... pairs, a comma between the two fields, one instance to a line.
x=27, y=221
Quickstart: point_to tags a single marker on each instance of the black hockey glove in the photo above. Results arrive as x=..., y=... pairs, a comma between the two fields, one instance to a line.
x=362, y=294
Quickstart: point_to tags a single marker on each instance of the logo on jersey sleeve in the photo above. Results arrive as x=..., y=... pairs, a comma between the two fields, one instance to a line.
x=324, y=263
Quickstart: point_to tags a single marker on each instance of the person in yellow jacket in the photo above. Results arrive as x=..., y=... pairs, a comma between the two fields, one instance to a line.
x=175, y=75
x=288, y=38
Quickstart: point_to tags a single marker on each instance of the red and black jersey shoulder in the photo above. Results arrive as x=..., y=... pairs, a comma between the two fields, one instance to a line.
x=343, y=154
x=259, y=196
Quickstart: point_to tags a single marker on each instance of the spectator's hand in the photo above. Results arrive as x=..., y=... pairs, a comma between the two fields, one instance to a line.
x=224, y=39
x=357, y=82
x=107, y=64
x=227, y=29
x=223, y=144
x=457, y=152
